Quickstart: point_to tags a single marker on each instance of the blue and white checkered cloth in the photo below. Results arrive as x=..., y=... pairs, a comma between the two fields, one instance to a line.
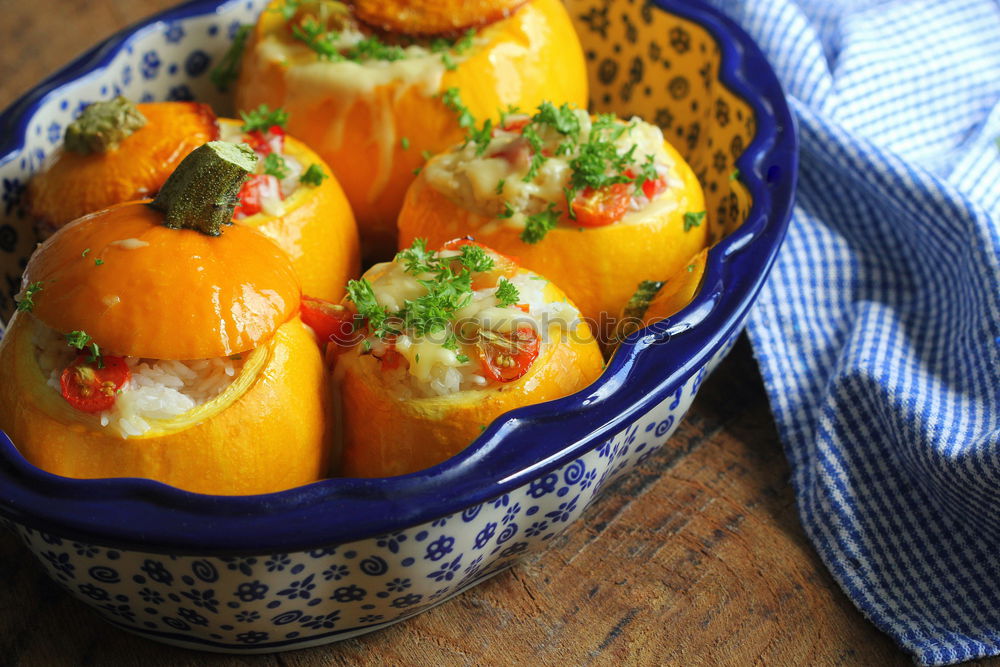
x=878, y=334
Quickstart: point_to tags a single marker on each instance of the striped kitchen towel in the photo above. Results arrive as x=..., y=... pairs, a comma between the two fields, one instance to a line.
x=878, y=333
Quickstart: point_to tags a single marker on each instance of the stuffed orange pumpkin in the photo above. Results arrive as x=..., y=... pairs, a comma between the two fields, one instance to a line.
x=147, y=344
x=292, y=199
x=596, y=204
x=375, y=87
x=446, y=342
x=116, y=151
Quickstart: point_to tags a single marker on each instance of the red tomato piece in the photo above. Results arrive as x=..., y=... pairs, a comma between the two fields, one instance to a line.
x=505, y=357
x=264, y=144
x=391, y=360
x=330, y=321
x=91, y=389
x=515, y=122
x=606, y=206
x=654, y=187
x=253, y=193
x=517, y=152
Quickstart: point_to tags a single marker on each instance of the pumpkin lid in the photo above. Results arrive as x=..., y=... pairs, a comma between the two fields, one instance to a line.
x=118, y=152
x=141, y=288
x=432, y=17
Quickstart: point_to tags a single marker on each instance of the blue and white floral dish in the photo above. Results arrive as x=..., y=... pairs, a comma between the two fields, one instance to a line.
x=344, y=557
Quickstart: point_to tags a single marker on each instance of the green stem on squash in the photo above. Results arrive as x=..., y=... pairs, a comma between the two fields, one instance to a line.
x=202, y=192
x=103, y=126
x=643, y=296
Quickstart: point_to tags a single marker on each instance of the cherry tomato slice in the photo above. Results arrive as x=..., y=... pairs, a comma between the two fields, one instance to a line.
x=606, y=206
x=265, y=144
x=503, y=265
x=330, y=321
x=91, y=389
x=516, y=122
x=391, y=360
x=654, y=187
x=253, y=193
x=505, y=357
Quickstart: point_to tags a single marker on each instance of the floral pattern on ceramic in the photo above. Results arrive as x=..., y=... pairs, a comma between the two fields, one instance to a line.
x=279, y=601
x=282, y=601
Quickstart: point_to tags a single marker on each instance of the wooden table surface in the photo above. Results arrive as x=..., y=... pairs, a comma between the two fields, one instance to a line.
x=696, y=558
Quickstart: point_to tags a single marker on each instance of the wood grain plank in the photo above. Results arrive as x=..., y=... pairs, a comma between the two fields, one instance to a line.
x=696, y=558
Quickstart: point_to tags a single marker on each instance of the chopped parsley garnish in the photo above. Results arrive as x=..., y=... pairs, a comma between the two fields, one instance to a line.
x=373, y=48
x=457, y=47
x=563, y=118
x=417, y=258
x=482, y=138
x=274, y=165
x=262, y=118
x=539, y=224
x=363, y=296
x=448, y=284
x=94, y=355
x=84, y=253
x=311, y=33
x=405, y=143
x=453, y=100
x=735, y=175
x=598, y=164
x=464, y=43
x=475, y=259
x=227, y=71
x=647, y=172
x=500, y=184
x=507, y=293
x=98, y=262
x=537, y=156
x=78, y=339
x=426, y=155
x=692, y=220
x=314, y=175
x=508, y=211
x=27, y=301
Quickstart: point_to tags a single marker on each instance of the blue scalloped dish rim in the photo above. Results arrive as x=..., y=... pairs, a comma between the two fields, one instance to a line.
x=513, y=450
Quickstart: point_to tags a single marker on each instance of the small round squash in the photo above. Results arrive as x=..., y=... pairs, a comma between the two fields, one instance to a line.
x=136, y=288
x=401, y=410
x=598, y=261
x=374, y=113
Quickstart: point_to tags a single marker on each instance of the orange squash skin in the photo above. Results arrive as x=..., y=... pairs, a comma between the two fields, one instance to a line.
x=532, y=56
x=385, y=436
x=274, y=436
x=316, y=229
x=74, y=185
x=184, y=295
x=599, y=267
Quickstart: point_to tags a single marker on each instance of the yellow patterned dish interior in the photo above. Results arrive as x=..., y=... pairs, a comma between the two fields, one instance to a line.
x=644, y=62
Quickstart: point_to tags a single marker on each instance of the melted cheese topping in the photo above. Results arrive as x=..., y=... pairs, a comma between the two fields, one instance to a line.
x=493, y=181
x=317, y=82
x=432, y=366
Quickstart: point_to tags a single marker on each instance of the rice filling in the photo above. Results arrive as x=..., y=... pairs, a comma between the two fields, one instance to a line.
x=158, y=389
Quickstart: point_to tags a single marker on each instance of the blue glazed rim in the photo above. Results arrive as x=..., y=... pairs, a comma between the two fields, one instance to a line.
x=650, y=366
